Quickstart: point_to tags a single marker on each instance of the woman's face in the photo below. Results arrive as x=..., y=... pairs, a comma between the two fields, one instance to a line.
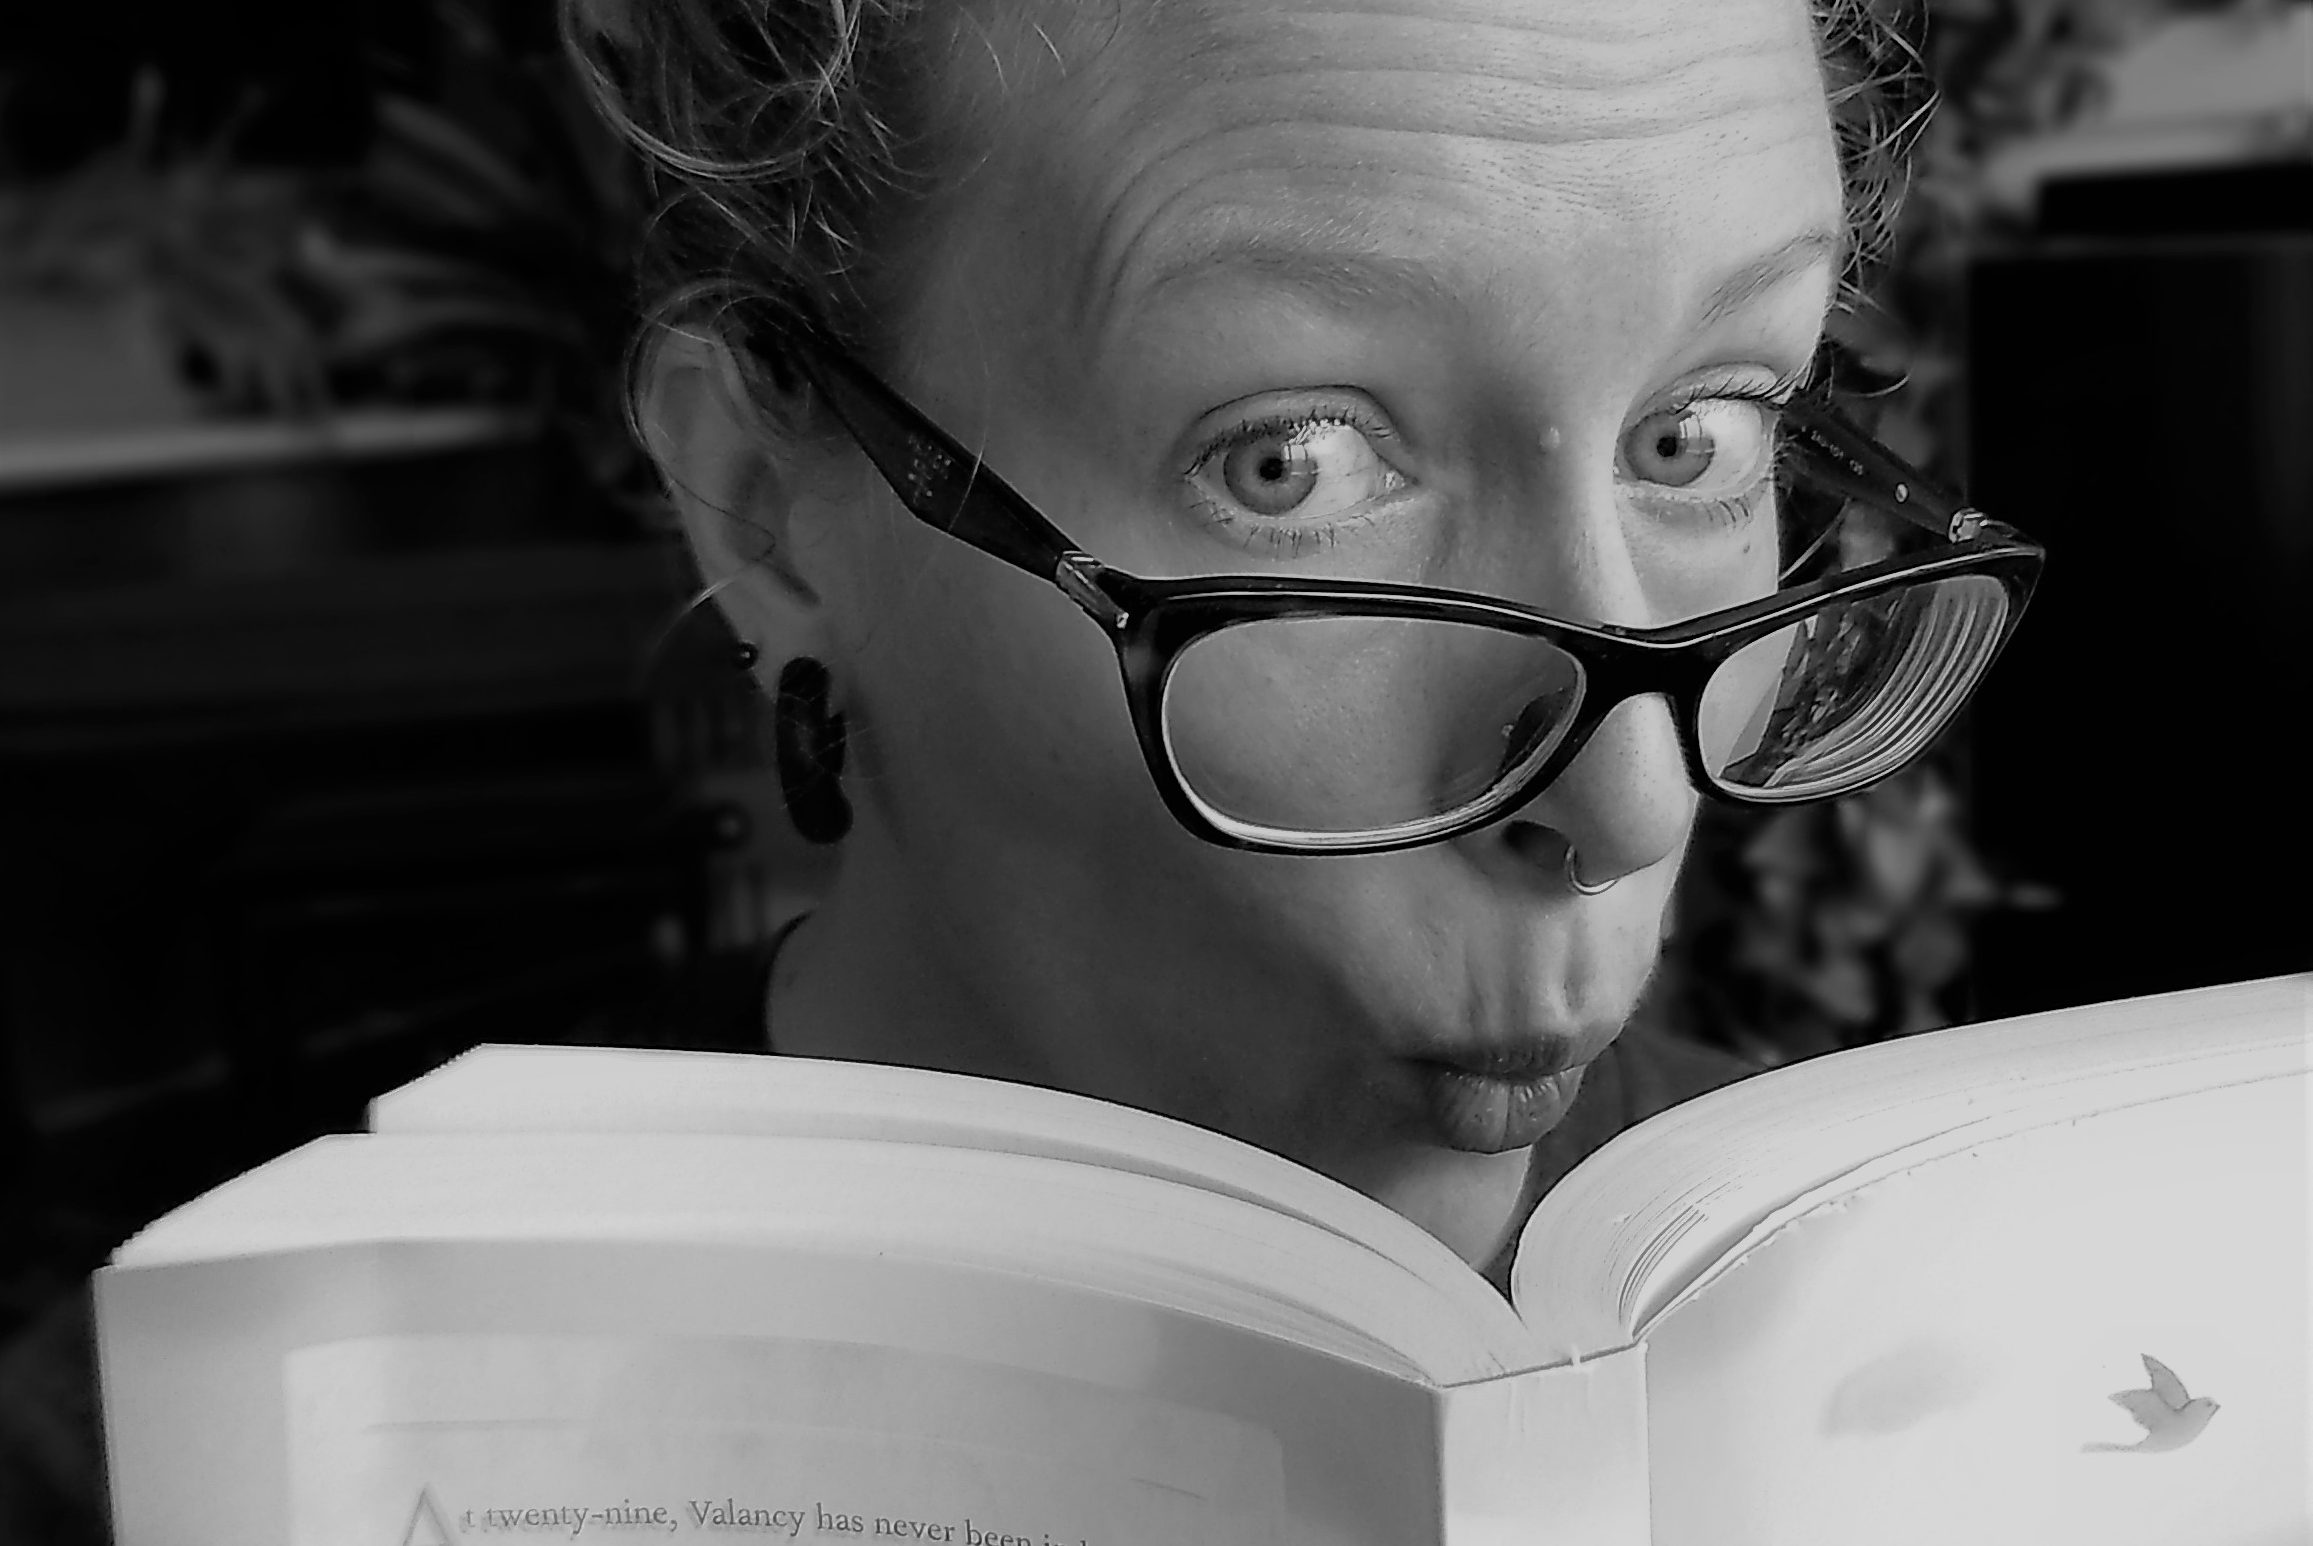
x=1469, y=293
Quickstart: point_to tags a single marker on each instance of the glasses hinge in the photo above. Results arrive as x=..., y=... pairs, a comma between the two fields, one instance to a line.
x=1965, y=524
x=1074, y=575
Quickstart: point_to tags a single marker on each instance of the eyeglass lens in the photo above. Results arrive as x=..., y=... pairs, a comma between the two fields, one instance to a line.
x=1370, y=726
x=1314, y=724
x=1850, y=692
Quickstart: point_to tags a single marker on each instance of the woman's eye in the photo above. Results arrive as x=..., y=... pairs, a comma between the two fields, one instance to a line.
x=1711, y=449
x=1309, y=470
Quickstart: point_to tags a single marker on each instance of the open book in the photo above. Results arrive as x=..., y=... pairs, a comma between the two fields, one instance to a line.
x=2035, y=1281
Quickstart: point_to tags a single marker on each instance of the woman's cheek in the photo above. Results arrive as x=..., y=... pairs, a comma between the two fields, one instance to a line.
x=1006, y=699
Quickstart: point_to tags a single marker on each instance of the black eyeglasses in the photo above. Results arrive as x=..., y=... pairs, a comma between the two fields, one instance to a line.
x=1354, y=716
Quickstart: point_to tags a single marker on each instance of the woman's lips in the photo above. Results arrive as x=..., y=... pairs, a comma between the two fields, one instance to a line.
x=1487, y=1113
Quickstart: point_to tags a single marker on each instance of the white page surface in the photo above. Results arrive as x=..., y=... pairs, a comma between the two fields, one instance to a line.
x=1932, y=1357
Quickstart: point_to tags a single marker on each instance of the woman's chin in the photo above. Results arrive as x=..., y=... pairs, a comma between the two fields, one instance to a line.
x=1467, y=1200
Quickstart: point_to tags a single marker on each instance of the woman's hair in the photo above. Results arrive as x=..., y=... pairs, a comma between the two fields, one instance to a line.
x=786, y=142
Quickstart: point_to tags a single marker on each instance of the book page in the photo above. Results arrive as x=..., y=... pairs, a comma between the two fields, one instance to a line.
x=622, y=1368
x=508, y=1089
x=2095, y=1331
x=428, y=1440
x=1106, y=1231
x=1668, y=1202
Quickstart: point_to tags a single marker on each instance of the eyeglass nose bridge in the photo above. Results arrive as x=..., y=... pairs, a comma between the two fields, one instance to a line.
x=1620, y=671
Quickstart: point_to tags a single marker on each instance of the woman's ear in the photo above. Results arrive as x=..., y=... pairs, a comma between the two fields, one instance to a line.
x=734, y=478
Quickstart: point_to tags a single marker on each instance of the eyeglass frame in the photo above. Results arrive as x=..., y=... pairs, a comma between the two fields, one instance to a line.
x=1150, y=622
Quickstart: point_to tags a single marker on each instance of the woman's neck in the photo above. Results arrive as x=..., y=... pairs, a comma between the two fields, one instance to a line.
x=867, y=977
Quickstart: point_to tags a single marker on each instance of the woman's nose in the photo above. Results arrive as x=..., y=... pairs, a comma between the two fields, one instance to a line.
x=1623, y=805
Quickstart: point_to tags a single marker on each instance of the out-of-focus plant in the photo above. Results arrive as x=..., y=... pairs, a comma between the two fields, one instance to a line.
x=193, y=244
x=460, y=261
x=1802, y=931
x=1826, y=926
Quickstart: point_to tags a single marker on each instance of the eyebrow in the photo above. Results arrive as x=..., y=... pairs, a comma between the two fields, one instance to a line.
x=1355, y=279
x=1802, y=252
x=1348, y=279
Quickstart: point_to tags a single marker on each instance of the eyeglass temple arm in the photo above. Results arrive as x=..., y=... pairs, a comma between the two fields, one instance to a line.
x=1843, y=456
x=944, y=485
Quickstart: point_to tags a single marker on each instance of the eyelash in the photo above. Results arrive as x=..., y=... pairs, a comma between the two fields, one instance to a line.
x=1258, y=426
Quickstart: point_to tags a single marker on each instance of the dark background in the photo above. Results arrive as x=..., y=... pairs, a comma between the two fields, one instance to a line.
x=2143, y=387
x=316, y=770
x=294, y=84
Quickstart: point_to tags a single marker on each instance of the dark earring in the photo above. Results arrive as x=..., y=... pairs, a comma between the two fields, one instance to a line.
x=807, y=738
x=744, y=655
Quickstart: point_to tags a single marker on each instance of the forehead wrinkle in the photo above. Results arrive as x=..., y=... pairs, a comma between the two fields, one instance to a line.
x=1185, y=103
x=1503, y=113
x=1183, y=77
x=1548, y=43
x=1324, y=232
x=1538, y=71
x=1295, y=125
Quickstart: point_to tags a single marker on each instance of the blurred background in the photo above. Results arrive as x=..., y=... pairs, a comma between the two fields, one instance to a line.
x=352, y=710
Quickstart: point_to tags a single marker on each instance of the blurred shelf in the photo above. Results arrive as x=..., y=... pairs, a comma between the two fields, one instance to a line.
x=240, y=445
x=268, y=499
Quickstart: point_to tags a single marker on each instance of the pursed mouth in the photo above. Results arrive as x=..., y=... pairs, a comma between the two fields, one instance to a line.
x=1531, y=1061
x=1479, y=1111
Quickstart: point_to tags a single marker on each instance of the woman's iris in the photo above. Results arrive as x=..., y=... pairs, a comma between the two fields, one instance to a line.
x=1673, y=448
x=1715, y=448
x=1271, y=475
